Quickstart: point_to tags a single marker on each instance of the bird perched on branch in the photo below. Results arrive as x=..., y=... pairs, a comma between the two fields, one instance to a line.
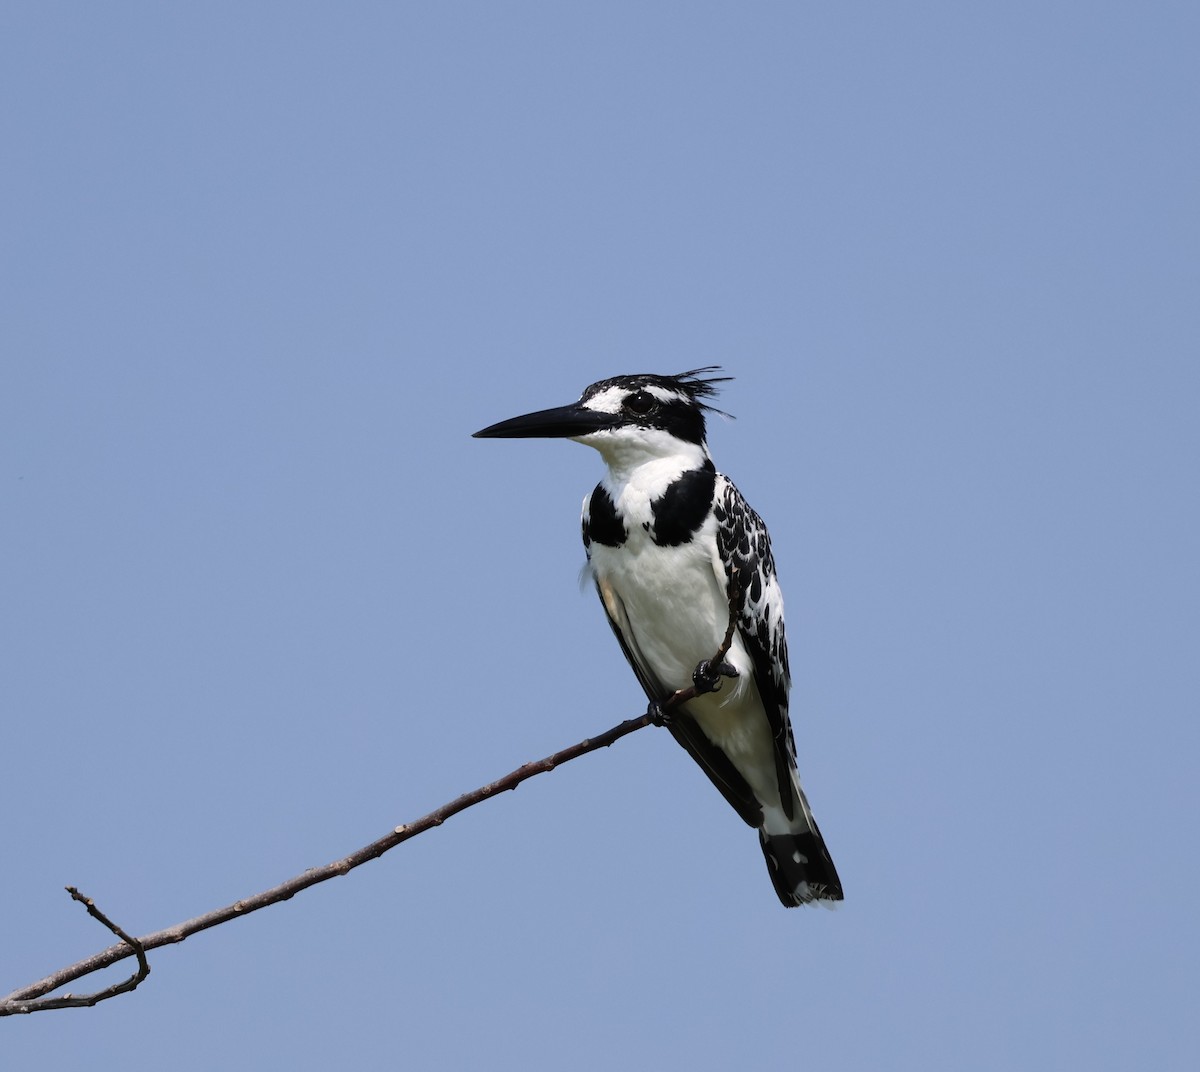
x=675, y=552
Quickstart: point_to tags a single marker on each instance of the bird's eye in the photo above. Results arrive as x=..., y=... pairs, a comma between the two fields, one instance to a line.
x=639, y=403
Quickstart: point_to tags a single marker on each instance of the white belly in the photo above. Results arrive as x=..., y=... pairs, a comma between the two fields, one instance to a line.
x=675, y=609
x=675, y=614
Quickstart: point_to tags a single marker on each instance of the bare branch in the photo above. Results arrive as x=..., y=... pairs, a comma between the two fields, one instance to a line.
x=14, y=1004
x=31, y=998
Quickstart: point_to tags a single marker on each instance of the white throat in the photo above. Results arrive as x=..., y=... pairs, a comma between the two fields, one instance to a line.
x=650, y=453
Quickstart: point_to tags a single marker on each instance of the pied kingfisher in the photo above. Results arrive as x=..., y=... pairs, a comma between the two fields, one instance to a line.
x=669, y=540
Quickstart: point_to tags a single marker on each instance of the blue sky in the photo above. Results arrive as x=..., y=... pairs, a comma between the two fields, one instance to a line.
x=267, y=266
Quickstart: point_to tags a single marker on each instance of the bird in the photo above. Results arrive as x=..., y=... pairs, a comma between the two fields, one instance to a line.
x=680, y=560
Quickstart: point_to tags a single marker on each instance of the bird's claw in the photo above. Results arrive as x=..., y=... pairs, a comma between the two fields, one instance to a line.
x=707, y=678
x=658, y=714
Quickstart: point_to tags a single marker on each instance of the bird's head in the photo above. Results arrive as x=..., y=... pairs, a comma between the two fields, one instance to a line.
x=627, y=418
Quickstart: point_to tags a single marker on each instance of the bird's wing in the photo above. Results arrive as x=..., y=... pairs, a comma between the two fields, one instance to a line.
x=745, y=555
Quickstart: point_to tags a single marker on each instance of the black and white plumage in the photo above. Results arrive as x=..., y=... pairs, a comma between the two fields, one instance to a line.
x=665, y=535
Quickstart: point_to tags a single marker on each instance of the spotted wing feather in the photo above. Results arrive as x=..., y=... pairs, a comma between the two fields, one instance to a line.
x=745, y=550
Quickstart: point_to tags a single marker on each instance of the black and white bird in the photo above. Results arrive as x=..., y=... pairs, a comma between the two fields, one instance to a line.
x=669, y=541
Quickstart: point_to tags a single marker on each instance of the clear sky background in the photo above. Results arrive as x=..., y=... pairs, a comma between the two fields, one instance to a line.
x=267, y=266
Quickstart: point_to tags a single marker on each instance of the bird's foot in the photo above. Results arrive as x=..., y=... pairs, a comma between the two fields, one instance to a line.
x=707, y=677
x=658, y=714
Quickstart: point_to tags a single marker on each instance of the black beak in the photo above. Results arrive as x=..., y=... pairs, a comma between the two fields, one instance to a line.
x=563, y=422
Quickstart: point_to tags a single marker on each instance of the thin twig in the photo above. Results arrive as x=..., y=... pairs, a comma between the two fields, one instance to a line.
x=30, y=998
x=130, y=945
x=20, y=1001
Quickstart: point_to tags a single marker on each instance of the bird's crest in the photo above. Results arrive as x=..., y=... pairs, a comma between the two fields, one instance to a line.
x=694, y=386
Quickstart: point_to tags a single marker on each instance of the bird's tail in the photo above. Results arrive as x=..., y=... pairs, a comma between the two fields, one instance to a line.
x=800, y=865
